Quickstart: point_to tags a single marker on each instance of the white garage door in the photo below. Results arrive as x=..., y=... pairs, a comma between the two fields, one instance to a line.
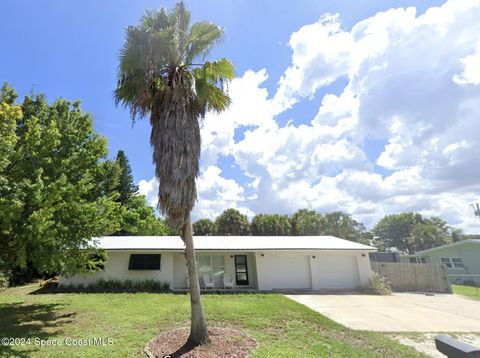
x=337, y=272
x=286, y=272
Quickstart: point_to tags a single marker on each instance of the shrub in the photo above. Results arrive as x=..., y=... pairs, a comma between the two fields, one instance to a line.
x=378, y=285
x=116, y=284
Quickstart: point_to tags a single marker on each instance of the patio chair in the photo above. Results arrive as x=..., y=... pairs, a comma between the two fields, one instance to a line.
x=187, y=280
x=207, y=282
x=227, y=281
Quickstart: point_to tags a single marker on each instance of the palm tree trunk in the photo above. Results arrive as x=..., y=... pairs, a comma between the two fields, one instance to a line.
x=198, y=327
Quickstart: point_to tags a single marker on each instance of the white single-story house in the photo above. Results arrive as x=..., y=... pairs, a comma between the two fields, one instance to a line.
x=253, y=262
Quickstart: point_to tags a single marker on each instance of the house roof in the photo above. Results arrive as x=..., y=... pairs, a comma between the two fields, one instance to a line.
x=461, y=242
x=238, y=243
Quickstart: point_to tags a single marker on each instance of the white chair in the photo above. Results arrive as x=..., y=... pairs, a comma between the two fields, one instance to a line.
x=227, y=281
x=187, y=280
x=207, y=282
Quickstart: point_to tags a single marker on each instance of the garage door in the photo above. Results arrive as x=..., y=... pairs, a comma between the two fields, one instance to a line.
x=337, y=272
x=286, y=272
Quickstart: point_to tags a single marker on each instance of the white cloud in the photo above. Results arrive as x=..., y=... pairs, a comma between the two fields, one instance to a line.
x=412, y=81
x=250, y=107
x=149, y=188
x=215, y=194
x=471, y=71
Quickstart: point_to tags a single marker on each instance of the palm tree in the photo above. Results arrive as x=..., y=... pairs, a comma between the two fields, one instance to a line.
x=157, y=78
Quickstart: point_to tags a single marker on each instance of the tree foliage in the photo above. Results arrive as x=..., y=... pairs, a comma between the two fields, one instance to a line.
x=307, y=222
x=233, y=223
x=342, y=225
x=394, y=230
x=138, y=218
x=337, y=223
x=430, y=232
x=126, y=184
x=406, y=232
x=411, y=232
x=204, y=227
x=54, y=190
x=271, y=225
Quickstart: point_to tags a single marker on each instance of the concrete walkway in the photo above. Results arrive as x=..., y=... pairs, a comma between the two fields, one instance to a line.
x=400, y=312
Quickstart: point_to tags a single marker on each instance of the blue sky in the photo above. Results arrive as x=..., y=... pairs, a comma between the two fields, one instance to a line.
x=70, y=49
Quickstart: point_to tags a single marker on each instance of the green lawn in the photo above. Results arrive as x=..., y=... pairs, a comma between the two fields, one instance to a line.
x=471, y=292
x=283, y=328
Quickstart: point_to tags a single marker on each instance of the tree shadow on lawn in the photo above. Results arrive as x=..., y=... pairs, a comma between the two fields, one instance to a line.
x=183, y=350
x=30, y=321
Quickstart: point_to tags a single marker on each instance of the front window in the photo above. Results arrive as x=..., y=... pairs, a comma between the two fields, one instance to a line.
x=211, y=266
x=144, y=262
x=452, y=262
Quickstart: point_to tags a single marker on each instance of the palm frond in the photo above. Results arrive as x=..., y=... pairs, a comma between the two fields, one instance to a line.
x=181, y=16
x=215, y=98
x=203, y=36
x=162, y=50
x=155, y=20
x=220, y=71
x=133, y=92
x=134, y=53
x=210, y=80
x=180, y=20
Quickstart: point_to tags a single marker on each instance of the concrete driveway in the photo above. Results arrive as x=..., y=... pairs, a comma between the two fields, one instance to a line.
x=400, y=312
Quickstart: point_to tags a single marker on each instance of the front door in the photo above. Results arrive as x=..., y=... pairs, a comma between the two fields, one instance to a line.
x=241, y=271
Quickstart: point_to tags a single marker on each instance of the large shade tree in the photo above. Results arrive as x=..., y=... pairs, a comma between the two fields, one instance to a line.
x=340, y=224
x=393, y=231
x=412, y=232
x=159, y=77
x=56, y=186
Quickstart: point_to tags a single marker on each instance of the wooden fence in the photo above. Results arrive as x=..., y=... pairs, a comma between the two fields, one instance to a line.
x=404, y=277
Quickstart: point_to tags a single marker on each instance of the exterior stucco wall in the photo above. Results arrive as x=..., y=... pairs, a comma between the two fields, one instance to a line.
x=179, y=270
x=364, y=268
x=117, y=267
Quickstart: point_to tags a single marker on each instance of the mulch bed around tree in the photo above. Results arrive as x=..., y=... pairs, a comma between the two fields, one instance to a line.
x=225, y=342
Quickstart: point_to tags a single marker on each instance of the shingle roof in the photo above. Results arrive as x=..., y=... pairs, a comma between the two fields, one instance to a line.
x=230, y=243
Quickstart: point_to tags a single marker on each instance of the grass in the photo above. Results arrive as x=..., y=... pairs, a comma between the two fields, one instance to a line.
x=282, y=328
x=468, y=291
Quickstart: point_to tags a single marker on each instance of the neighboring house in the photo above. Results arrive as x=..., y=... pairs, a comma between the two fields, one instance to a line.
x=461, y=258
x=253, y=262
